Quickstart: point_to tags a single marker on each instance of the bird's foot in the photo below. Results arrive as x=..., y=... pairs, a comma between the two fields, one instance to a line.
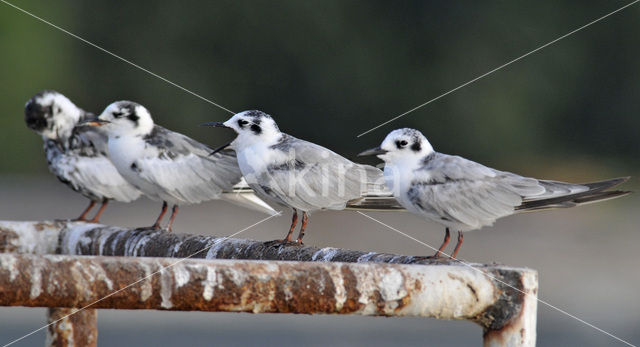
x=280, y=243
x=286, y=242
x=152, y=227
x=431, y=259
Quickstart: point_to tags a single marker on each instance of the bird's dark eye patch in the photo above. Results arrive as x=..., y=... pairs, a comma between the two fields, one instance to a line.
x=117, y=114
x=256, y=129
x=242, y=123
x=416, y=147
x=401, y=144
x=133, y=117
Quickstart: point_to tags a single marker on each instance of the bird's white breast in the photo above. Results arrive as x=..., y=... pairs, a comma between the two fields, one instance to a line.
x=399, y=178
x=254, y=159
x=123, y=152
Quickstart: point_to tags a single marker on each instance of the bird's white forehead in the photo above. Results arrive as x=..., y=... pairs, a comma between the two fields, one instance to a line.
x=406, y=133
x=254, y=115
x=130, y=106
x=50, y=98
x=241, y=114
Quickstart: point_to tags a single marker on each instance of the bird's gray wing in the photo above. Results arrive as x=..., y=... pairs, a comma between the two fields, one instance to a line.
x=184, y=168
x=312, y=177
x=466, y=194
x=84, y=165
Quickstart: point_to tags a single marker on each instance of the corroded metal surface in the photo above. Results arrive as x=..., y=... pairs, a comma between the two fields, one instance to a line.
x=70, y=327
x=518, y=326
x=446, y=292
x=80, y=238
x=31, y=237
x=313, y=280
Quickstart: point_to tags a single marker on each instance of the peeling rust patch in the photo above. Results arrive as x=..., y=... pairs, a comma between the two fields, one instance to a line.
x=352, y=303
x=7, y=241
x=466, y=283
x=405, y=301
x=40, y=226
x=509, y=303
x=473, y=290
x=78, y=329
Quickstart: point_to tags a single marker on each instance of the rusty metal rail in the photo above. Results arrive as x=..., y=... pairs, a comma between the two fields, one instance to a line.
x=311, y=280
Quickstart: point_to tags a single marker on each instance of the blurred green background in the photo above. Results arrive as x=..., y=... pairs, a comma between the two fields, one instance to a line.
x=329, y=70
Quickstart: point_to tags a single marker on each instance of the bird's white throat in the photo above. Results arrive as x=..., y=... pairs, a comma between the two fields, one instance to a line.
x=245, y=140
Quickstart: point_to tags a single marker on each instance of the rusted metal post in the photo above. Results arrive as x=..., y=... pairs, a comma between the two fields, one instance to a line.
x=500, y=299
x=71, y=328
x=520, y=330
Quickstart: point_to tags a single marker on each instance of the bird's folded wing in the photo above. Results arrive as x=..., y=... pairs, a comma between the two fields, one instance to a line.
x=184, y=169
x=96, y=175
x=85, y=165
x=188, y=177
x=315, y=177
x=472, y=203
x=465, y=192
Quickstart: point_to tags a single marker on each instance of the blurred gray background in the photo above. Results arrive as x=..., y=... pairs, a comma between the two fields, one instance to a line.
x=327, y=71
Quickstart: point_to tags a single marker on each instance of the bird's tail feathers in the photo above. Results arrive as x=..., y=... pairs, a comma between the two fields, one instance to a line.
x=606, y=184
x=375, y=184
x=245, y=197
x=376, y=201
x=596, y=192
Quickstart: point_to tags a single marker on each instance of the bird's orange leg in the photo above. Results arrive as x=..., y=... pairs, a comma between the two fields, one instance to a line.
x=83, y=216
x=447, y=236
x=96, y=218
x=460, y=239
x=174, y=212
x=156, y=225
x=294, y=221
x=305, y=220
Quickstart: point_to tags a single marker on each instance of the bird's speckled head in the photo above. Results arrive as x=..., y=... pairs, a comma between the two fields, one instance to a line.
x=51, y=115
x=126, y=118
x=402, y=145
x=253, y=126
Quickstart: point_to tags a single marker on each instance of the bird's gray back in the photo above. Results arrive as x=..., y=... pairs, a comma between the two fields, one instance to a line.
x=311, y=177
x=182, y=169
x=466, y=195
x=463, y=194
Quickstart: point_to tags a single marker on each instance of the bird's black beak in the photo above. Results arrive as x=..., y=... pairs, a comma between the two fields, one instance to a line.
x=94, y=122
x=220, y=148
x=214, y=124
x=217, y=125
x=373, y=151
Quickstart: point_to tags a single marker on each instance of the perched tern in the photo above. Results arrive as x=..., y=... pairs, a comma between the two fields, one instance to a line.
x=293, y=172
x=463, y=195
x=76, y=154
x=170, y=167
